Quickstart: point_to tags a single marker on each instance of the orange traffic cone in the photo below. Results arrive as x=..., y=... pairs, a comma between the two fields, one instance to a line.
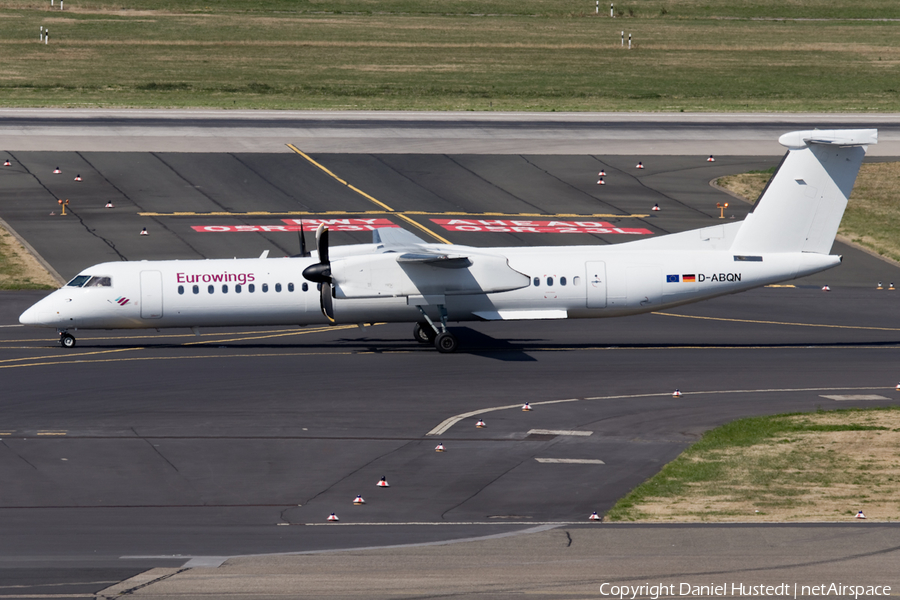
x=601, y=182
x=383, y=483
x=526, y=407
x=333, y=517
x=602, y=173
x=7, y=163
x=439, y=448
x=710, y=159
x=359, y=500
x=480, y=424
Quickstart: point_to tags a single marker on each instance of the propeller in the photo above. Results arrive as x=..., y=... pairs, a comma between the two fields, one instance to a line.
x=321, y=271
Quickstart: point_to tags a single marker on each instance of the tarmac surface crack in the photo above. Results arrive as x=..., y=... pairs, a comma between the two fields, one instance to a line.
x=484, y=487
x=155, y=449
x=22, y=458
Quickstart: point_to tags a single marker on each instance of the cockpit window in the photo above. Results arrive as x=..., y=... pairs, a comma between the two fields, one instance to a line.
x=99, y=281
x=78, y=281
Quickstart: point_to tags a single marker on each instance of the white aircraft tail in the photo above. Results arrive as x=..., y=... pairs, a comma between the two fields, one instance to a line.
x=801, y=208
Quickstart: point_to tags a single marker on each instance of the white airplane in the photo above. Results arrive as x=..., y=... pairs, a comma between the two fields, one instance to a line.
x=401, y=278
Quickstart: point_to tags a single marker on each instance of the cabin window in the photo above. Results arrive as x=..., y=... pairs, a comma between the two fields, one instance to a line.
x=277, y=287
x=78, y=281
x=251, y=288
x=576, y=281
x=537, y=282
x=180, y=290
x=99, y=282
x=265, y=287
x=562, y=281
x=196, y=289
x=305, y=287
x=290, y=287
x=224, y=289
x=211, y=289
x=549, y=281
x=237, y=288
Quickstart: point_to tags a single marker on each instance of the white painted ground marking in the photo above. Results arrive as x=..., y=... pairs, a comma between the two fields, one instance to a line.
x=448, y=423
x=558, y=432
x=840, y=397
x=571, y=461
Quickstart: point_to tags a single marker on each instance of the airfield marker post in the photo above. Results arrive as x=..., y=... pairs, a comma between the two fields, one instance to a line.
x=611, y=11
x=623, y=39
x=629, y=41
x=47, y=36
x=42, y=33
x=61, y=4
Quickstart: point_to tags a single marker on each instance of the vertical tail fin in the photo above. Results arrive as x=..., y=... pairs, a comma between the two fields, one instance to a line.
x=801, y=208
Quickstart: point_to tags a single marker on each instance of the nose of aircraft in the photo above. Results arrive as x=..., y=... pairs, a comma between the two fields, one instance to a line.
x=39, y=314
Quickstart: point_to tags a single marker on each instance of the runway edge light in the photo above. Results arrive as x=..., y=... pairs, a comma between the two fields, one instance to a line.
x=333, y=518
x=526, y=407
x=595, y=517
x=439, y=448
x=860, y=515
x=676, y=393
x=358, y=501
x=480, y=424
x=383, y=483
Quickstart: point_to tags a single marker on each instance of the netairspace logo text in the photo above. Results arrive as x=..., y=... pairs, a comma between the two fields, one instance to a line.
x=736, y=590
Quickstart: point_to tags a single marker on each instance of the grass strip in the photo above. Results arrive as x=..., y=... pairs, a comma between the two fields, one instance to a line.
x=817, y=466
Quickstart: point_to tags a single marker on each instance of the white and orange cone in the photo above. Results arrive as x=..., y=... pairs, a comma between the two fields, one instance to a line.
x=898, y=387
x=860, y=515
x=78, y=178
x=109, y=205
x=601, y=182
x=825, y=288
x=359, y=501
x=526, y=407
x=640, y=165
x=333, y=517
x=655, y=207
x=383, y=483
x=710, y=159
x=480, y=424
x=7, y=163
x=676, y=393
x=56, y=171
x=144, y=231
x=594, y=517
x=602, y=173
x=439, y=448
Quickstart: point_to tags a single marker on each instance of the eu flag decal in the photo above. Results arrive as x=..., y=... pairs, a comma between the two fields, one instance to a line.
x=672, y=279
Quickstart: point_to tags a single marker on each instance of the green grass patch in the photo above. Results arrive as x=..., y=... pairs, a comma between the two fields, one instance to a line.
x=534, y=55
x=770, y=462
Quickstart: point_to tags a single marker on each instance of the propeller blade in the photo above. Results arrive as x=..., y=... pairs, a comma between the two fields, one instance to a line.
x=322, y=243
x=303, y=252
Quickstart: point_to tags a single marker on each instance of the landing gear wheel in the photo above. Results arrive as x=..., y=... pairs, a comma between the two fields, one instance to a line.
x=423, y=333
x=67, y=340
x=446, y=343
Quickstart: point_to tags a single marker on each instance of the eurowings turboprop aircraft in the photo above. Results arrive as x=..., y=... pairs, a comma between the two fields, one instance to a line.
x=401, y=278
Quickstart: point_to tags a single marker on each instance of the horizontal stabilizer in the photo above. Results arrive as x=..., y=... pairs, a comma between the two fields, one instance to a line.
x=836, y=137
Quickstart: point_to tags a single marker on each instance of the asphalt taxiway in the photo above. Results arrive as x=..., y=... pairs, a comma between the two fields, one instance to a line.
x=162, y=449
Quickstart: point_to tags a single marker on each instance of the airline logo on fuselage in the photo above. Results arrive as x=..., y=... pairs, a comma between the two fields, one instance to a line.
x=700, y=277
x=242, y=278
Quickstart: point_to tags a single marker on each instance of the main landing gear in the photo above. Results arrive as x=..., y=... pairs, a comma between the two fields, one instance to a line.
x=427, y=332
x=66, y=339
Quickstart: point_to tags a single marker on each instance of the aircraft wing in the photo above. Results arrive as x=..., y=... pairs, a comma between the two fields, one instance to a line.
x=391, y=237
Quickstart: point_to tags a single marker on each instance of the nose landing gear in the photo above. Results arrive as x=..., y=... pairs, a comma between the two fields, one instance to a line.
x=66, y=339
